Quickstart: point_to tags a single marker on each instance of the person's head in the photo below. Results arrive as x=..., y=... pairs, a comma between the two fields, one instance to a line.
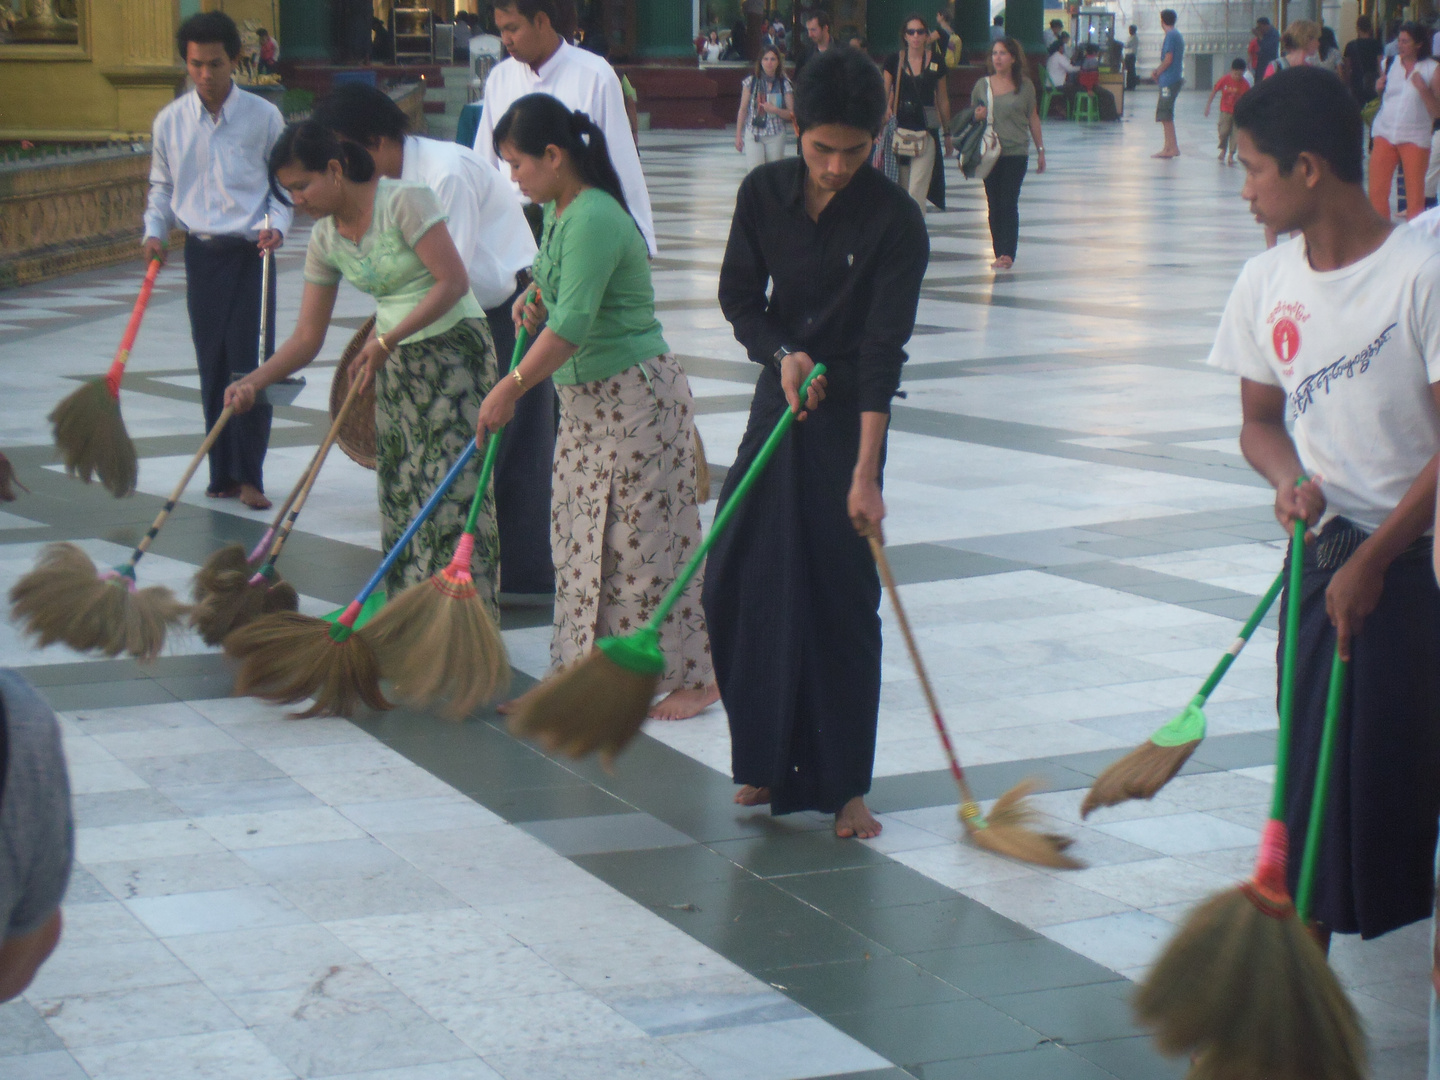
x=311, y=166
x=769, y=62
x=370, y=117
x=1007, y=58
x=914, y=33
x=715, y=37
x=1263, y=26
x=1054, y=47
x=1300, y=135
x=1301, y=36
x=1091, y=49
x=1134, y=29
x=1364, y=26
x=210, y=44
x=999, y=20
x=839, y=109
x=1056, y=25
x=262, y=33
x=1328, y=42
x=941, y=19
x=817, y=26
x=548, y=148
x=1412, y=41
x=857, y=42
x=1168, y=19
x=528, y=28
x=1237, y=67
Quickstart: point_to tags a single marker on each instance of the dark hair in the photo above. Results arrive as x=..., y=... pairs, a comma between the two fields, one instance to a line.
x=905, y=25
x=528, y=9
x=536, y=121
x=819, y=16
x=840, y=86
x=759, y=60
x=363, y=114
x=1134, y=29
x=208, y=28
x=1017, y=53
x=1263, y=20
x=1056, y=22
x=1364, y=25
x=1168, y=17
x=999, y=20
x=1300, y=110
x=1058, y=45
x=314, y=146
x=1328, y=42
x=1417, y=34
x=1237, y=65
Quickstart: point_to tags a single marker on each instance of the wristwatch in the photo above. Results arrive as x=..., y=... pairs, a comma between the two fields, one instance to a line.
x=780, y=354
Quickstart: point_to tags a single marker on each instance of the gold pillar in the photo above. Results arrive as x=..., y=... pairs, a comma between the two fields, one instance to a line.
x=149, y=72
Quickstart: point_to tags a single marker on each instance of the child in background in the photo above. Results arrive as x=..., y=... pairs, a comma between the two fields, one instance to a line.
x=1229, y=87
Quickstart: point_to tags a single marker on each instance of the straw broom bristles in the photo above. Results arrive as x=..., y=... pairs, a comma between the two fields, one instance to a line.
x=64, y=599
x=92, y=439
x=9, y=481
x=226, y=599
x=437, y=643
x=286, y=657
x=1140, y=774
x=594, y=704
x=1008, y=830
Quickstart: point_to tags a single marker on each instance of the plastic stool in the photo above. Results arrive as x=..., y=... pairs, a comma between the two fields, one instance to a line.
x=1087, y=108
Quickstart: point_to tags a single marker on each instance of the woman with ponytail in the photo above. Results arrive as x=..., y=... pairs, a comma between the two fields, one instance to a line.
x=624, y=516
x=430, y=353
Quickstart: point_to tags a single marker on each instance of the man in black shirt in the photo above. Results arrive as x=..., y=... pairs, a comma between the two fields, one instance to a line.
x=1361, y=65
x=791, y=593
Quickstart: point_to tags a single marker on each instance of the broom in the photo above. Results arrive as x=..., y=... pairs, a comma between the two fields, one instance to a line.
x=436, y=641
x=1006, y=831
x=1150, y=766
x=89, y=431
x=286, y=657
x=1243, y=983
x=600, y=702
x=233, y=595
x=65, y=599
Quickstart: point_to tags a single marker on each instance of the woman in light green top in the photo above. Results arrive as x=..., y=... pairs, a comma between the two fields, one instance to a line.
x=1016, y=122
x=624, y=518
x=430, y=354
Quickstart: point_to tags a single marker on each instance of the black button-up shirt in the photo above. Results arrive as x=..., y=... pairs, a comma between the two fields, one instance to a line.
x=845, y=287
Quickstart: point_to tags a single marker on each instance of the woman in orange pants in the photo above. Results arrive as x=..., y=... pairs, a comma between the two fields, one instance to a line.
x=1410, y=102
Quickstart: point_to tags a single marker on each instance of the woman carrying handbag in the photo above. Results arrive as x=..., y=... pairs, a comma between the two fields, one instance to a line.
x=915, y=83
x=1007, y=100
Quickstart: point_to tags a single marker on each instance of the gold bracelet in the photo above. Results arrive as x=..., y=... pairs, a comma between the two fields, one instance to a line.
x=384, y=344
x=515, y=374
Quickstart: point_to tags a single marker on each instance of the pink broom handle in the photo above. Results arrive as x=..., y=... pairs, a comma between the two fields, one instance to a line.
x=117, y=366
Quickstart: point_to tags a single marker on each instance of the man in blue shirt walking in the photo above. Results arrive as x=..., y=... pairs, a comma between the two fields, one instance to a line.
x=1169, y=77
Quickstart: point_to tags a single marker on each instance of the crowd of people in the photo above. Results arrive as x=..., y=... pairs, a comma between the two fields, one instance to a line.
x=595, y=499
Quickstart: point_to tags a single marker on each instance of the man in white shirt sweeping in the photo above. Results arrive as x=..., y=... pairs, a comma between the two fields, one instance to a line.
x=543, y=62
x=487, y=223
x=208, y=175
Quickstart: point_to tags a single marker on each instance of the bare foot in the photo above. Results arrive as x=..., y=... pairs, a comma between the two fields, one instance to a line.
x=1166, y=154
x=752, y=796
x=855, y=819
x=253, y=497
x=683, y=704
x=1005, y=262
x=223, y=493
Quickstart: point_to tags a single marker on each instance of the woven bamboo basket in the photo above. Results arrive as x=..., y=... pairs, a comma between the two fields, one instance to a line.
x=357, y=434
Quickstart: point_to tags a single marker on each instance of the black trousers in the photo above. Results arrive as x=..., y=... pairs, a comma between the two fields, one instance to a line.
x=522, y=475
x=1132, y=77
x=1377, y=852
x=1002, y=192
x=223, y=298
x=792, y=603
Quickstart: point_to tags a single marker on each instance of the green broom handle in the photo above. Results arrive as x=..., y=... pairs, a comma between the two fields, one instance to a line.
x=1287, y=680
x=1305, y=890
x=732, y=505
x=492, y=445
x=1261, y=610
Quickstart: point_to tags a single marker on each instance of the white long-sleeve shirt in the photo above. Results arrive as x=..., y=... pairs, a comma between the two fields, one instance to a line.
x=210, y=175
x=486, y=220
x=584, y=81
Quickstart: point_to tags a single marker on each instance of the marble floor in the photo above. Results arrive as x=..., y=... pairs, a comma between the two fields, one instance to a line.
x=400, y=898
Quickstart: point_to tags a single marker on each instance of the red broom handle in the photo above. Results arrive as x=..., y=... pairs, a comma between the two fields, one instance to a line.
x=117, y=366
x=882, y=563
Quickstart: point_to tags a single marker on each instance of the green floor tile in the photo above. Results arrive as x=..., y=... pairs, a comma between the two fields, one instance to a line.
x=1012, y=967
x=881, y=981
x=1133, y=1059
x=577, y=799
x=940, y=924
x=109, y=695
x=1048, y=1062
x=1075, y=1014
x=755, y=925
x=778, y=855
x=862, y=888
x=914, y=1035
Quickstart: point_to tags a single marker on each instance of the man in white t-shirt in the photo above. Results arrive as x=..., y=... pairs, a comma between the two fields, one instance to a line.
x=1338, y=331
x=542, y=62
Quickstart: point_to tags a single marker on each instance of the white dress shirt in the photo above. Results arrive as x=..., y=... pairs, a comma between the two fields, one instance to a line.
x=486, y=220
x=210, y=175
x=584, y=81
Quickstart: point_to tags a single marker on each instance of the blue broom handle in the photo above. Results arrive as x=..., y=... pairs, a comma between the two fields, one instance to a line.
x=388, y=563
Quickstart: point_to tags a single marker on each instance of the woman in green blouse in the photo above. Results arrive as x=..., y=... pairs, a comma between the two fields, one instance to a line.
x=624, y=518
x=431, y=353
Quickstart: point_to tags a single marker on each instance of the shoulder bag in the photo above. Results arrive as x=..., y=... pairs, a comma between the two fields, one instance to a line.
x=990, y=141
x=906, y=143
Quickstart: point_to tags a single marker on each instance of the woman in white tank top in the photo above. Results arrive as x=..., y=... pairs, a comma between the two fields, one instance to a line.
x=1410, y=102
